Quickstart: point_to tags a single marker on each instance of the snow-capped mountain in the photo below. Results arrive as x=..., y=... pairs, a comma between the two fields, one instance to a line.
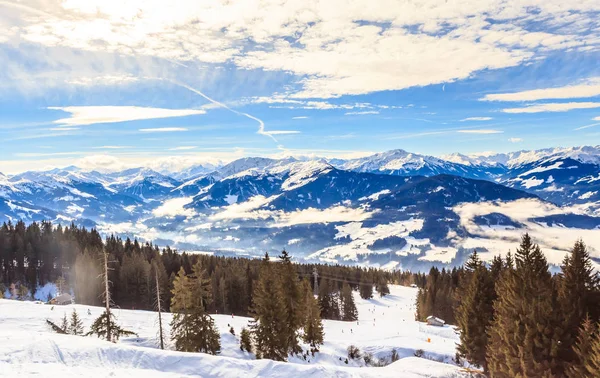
x=402, y=163
x=398, y=207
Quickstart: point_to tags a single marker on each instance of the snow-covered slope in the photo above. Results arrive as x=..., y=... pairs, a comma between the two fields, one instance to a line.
x=30, y=349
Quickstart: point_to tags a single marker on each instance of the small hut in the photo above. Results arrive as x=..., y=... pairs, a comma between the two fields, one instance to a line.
x=435, y=321
x=61, y=300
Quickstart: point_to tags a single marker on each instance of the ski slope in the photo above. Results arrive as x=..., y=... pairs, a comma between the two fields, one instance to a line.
x=30, y=349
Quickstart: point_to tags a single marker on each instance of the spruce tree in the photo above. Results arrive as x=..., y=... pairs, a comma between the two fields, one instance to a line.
x=105, y=327
x=592, y=364
x=349, y=311
x=583, y=350
x=313, y=326
x=192, y=329
x=382, y=287
x=366, y=290
x=76, y=326
x=245, y=340
x=269, y=327
x=474, y=312
x=64, y=325
x=525, y=334
x=292, y=295
x=577, y=285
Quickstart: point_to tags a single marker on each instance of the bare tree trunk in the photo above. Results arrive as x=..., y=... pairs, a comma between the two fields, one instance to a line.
x=107, y=297
x=160, y=328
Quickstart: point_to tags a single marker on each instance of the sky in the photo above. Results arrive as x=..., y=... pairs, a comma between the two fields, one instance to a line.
x=114, y=84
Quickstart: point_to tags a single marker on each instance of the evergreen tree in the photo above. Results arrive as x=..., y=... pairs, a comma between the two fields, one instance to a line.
x=192, y=329
x=583, y=350
x=349, y=311
x=269, y=326
x=313, y=326
x=76, y=326
x=366, y=290
x=105, y=327
x=382, y=287
x=64, y=325
x=292, y=296
x=524, y=335
x=592, y=364
x=475, y=311
x=576, y=292
x=245, y=340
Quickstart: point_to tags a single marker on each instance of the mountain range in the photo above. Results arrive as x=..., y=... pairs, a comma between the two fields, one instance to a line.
x=394, y=209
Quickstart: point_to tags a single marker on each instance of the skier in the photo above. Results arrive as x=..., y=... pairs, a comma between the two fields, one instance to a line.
x=89, y=312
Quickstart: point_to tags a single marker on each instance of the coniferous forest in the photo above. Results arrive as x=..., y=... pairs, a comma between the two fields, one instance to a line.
x=514, y=318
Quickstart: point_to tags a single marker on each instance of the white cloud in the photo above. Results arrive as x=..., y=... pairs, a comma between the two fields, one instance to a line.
x=476, y=119
x=553, y=107
x=183, y=148
x=324, y=44
x=301, y=117
x=110, y=147
x=89, y=115
x=363, y=112
x=480, y=131
x=174, y=207
x=596, y=119
x=515, y=140
x=163, y=130
x=589, y=89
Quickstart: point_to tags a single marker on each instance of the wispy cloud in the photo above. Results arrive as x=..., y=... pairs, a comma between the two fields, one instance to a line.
x=300, y=117
x=183, y=148
x=63, y=128
x=589, y=89
x=553, y=107
x=163, y=130
x=363, y=112
x=515, y=140
x=110, y=147
x=480, y=131
x=89, y=115
x=476, y=119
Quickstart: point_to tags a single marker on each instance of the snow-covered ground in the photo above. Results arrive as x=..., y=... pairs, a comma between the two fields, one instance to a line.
x=29, y=348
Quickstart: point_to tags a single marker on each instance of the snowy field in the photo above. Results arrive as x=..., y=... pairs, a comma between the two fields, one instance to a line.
x=30, y=349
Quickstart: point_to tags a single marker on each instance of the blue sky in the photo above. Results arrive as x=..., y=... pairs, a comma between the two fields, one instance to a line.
x=115, y=84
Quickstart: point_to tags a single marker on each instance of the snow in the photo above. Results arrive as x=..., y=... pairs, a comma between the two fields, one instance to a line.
x=532, y=182
x=231, y=198
x=375, y=196
x=556, y=165
x=30, y=349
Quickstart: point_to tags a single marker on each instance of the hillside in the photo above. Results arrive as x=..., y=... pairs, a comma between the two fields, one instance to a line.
x=385, y=324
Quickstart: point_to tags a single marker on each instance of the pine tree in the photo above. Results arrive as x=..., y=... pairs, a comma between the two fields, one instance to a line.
x=576, y=292
x=524, y=335
x=105, y=327
x=475, y=311
x=592, y=364
x=292, y=302
x=382, y=287
x=366, y=290
x=245, y=340
x=313, y=326
x=349, y=311
x=64, y=325
x=192, y=329
x=583, y=350
x=76, y=326
x=269, y=326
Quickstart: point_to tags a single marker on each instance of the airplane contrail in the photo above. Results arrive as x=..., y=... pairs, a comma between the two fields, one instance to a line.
x=261, y=124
